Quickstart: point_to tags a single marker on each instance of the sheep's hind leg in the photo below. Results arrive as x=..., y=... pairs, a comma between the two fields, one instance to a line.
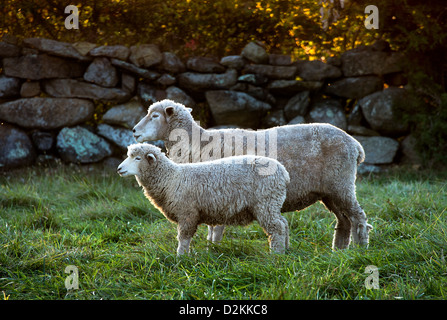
x=215, y=233
x=218, y=233
x=342, y=235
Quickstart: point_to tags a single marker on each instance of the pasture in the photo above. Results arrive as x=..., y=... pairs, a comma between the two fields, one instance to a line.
x=91, y=218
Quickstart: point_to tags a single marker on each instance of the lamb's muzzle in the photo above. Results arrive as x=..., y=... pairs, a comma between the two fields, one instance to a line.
x=120, y=171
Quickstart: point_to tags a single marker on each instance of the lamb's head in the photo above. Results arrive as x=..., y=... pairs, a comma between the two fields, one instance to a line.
x=140, y=158
x=154, y=126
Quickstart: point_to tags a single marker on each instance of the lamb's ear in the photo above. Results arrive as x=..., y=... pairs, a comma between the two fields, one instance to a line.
x=150, y=157
x=189, y=109
x=169, y=111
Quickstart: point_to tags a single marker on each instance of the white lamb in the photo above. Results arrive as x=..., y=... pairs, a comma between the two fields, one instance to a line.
x=321, y=159
x=231, y=192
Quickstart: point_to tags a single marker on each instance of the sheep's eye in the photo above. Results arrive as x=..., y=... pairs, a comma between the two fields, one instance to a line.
x=138, y=158
x=155, y=116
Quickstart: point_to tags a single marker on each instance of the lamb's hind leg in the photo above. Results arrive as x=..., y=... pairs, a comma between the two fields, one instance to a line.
x=276, y=227
x=286, y=224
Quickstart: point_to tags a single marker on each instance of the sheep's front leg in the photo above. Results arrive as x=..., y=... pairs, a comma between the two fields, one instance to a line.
x=183, y=246
x=209, y=237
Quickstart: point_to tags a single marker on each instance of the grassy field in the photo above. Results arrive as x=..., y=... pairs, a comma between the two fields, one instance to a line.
x=124, y=249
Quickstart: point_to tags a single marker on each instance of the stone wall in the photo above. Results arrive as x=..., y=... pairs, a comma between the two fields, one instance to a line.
x=50, y=89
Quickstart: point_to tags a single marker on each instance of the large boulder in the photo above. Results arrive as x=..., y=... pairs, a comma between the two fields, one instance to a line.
x=328, y=111
x=205, y=65
x=121, y=137
x=101, y=72
x=256, y=92
x=126, y=115
x=71, y=88
x=180, y=96
x=128, y=82
x=316, y=70
x=297, y=120
x=41, y=66
x=354, y=87
x=297, y=105
x=130, y=67
x=84, y=47
x=166, y=80
x=233, y=62
x=360, y=62
x=280, y=59
x=271, y=72
x=79, y=145
x=207, y=81
x=171, y=63
x=274, y=119
x=9, y=87
x=379, y=110
x=30, y=89
x=149, y=94
x=119, y=52
x=254, y=79
x=57, y=48
x=236, y=108
x=291, y=87
x=46, y=113
x=145, y=55
x=8, y=50
x=378, y=150
x=255, y=53
x=16, y=148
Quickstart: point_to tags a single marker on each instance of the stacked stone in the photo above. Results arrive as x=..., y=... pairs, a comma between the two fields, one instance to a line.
x=49, y=90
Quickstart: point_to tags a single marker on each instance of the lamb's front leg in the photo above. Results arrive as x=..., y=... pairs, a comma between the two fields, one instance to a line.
x=185, y=232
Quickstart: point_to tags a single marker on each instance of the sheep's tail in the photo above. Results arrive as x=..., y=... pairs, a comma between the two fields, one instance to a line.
x=361, y=153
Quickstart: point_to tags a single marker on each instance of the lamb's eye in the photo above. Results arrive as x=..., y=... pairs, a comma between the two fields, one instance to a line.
x=138, y=158
x=155, y=116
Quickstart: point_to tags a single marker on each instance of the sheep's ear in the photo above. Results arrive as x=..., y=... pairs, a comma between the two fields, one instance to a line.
x=169, y=111
x=150, y=157
x=189, y=109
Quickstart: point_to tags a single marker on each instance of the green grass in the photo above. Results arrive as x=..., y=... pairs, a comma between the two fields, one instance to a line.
x=125, y=249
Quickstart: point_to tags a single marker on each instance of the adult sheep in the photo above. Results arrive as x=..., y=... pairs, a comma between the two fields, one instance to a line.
x=231, y=192
x=321, y=160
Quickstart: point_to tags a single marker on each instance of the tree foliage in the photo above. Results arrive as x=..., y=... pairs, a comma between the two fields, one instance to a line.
x=305, y=28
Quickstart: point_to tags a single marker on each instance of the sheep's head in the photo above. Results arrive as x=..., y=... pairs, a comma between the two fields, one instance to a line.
x=154, y=126
x=138, y=156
